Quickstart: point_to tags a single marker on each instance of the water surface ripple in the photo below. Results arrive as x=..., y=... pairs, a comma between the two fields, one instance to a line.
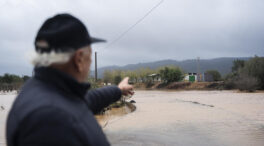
x=188, y=118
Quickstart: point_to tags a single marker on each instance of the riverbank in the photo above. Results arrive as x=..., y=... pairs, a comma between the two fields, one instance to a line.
x=180, y=86
x=188, y=86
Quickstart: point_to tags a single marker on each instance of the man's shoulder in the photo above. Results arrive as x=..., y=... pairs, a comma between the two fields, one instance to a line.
x=34, y=95
x=39, y=105
x=34, y=92
x=35, y=87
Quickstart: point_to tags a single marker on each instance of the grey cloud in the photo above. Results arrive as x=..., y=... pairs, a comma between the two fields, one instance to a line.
x=175, y=30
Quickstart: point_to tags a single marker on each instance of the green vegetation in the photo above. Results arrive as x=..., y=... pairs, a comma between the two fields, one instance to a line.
x=9, y=82
x=246, y=75
x=237, y=64
x=165, y=74
x=171, y=74
x=94, y=84
x=215, y=74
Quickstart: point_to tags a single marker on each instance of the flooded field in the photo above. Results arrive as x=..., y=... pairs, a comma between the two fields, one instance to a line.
x=187, y=118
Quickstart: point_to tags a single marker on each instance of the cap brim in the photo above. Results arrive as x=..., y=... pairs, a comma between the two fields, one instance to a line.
x=97, y=40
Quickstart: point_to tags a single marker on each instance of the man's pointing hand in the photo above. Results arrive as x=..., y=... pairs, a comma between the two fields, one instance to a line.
x=125, y=87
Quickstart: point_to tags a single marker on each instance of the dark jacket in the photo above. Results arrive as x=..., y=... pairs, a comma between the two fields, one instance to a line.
x=53, y=109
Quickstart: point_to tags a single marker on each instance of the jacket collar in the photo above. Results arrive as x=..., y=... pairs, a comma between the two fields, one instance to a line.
x=62, y=81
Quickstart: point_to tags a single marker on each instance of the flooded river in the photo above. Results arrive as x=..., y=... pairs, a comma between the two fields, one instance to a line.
x=183, y=118
x=191, y=118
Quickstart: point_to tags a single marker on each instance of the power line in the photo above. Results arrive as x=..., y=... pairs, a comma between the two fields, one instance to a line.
x=137, y=22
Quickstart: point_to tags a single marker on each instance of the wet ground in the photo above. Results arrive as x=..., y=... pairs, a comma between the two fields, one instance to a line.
x=187, y=118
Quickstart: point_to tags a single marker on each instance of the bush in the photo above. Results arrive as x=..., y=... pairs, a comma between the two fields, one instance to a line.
x=149, y=84
x=108, y=76
x=247, y=83
x=237, y=64
x=255, y=68
x=171, y=74
x=93, y=83
x=9, y=82
x=216, y=75
x=117, y=79
x=162, y=85
x=229, y=84
x=246, y=75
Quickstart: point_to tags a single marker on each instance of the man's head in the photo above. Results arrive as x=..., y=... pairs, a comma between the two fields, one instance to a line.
x=64, y=43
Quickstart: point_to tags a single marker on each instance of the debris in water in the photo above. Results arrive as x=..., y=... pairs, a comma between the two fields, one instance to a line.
x=195, y=102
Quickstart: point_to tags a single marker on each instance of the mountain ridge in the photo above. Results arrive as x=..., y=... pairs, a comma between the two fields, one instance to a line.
x=222, y=64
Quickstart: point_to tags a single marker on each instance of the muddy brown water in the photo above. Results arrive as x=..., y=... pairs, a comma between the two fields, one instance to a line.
x=181, y=118
x=191, y=118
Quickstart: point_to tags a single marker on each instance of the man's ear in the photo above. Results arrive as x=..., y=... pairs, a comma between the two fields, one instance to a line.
x=78, y=60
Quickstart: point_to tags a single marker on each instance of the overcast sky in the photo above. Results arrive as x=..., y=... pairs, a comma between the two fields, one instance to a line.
x=177, y=29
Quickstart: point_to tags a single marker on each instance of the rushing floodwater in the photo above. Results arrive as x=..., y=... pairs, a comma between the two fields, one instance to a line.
x=191, y=118
x=184, y=118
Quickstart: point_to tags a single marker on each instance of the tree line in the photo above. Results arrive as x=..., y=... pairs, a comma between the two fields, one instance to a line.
x=165, y=74
x=9, y=82
x=143, y=75
x=246, y=75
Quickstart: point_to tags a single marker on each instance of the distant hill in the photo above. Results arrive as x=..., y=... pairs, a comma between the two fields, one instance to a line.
x=223, y=65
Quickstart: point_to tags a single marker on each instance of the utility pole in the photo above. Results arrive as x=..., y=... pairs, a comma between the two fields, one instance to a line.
x=95, y=71
x=198, y=69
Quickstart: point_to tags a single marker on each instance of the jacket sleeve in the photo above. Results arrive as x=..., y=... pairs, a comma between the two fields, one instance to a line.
x=100, y=98
x=48, y=127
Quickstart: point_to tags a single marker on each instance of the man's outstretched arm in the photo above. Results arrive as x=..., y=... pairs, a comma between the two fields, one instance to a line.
x=100, y=98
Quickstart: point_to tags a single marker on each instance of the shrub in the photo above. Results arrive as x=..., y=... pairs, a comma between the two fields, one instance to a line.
x=237, y=64
x=255, y=68
x=229, y=84
x=247, y=83
x=149, y=84
x=171, y=74
x=216, y=75
x=117, y=79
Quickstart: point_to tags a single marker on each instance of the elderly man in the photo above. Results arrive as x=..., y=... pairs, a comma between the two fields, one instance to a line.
x=55, y=108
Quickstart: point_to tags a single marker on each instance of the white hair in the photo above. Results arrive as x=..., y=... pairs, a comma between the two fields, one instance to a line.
x=46, y=59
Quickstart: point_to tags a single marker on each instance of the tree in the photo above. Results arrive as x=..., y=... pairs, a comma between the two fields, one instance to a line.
x=247, y=75
x=246, y=82
x=108, y=76
x=141, y=74
x=171, y=74
x=255, y=68
x=131, y=74
x=216, y=75
x=10, y=78
x=10, y=82
x=117, y=79
x=117, y=76
x=25, y=78
x=237, y=64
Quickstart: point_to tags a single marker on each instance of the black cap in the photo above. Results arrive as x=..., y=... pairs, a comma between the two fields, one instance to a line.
x=63, y=33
